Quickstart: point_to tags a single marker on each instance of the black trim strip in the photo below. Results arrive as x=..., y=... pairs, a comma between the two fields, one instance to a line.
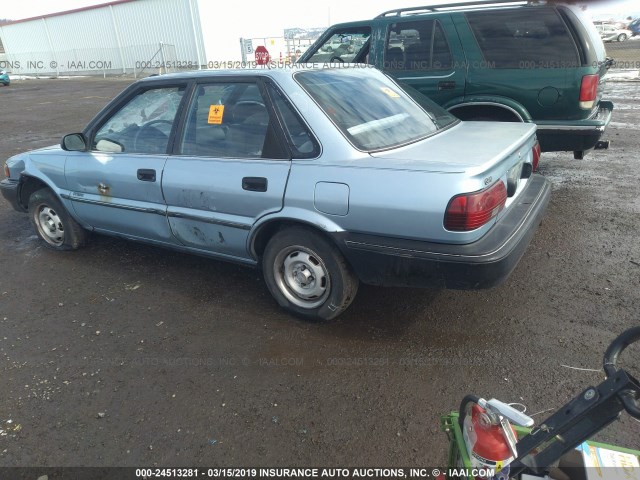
x=113, y=205
x=213, y=221
x=197, y=218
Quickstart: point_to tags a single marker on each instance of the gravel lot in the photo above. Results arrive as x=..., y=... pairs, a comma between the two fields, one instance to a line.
x=122, y=354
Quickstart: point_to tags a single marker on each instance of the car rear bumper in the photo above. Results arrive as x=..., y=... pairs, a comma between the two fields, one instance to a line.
x=9, y=190
x=577, y=136
x=482, y=264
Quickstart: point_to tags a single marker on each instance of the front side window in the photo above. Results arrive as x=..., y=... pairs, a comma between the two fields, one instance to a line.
x=230, y=120
x=143, y=125
x=368, y=108
x=524, y=39
x=417, y=45
x=345, y=46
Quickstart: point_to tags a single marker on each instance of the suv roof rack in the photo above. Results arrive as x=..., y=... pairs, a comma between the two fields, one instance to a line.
x=452, y=6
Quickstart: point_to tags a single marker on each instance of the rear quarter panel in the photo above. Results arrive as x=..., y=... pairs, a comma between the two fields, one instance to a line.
x=404, y=199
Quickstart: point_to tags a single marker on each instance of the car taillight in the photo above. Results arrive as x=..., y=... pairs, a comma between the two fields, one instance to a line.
x=536, y=155
x=588, y=91
x=472, y=210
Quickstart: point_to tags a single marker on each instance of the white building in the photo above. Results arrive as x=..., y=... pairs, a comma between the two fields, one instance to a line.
x=124, y=36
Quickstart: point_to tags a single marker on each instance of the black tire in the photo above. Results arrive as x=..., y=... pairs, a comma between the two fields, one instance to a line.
x=53, y=223
x=622, y=37
x=319, y=285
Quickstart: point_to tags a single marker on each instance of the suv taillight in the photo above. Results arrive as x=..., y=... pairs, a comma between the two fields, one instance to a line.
x=472, y=210
x=536, y=156
x=588, y=91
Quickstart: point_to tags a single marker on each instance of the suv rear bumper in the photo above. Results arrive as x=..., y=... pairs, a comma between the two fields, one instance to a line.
x=577, y=136
x=482, y=264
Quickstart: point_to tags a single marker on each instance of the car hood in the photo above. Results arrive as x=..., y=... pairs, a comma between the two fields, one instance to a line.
x=466, y=147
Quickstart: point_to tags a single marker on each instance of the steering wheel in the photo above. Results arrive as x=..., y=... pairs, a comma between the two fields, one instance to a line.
x=336, y=58
x=143, y=130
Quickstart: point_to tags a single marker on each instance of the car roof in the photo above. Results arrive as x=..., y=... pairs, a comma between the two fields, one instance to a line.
x=276, y=71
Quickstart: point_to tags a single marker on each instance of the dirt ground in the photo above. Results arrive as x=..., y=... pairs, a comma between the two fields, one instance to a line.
x=122, y=354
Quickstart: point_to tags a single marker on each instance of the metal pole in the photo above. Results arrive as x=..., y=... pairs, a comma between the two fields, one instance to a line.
x=53, y=53
x=115, y=29
x=196, y=37
x=162, y=58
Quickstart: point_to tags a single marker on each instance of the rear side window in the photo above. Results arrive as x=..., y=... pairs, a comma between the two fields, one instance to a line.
x=524, y=38
x=417, y=45
x=300, y=140
x=230, y=120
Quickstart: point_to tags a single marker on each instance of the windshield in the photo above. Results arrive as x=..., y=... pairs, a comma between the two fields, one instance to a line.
x=372, y=111
x=345, y=46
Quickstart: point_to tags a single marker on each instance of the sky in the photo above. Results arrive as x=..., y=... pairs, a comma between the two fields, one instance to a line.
x=225, y=22
x=289, y=13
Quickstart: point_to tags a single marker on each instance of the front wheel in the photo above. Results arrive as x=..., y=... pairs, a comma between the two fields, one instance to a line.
x=53, y=223
x=622, y=37
x=308, y=275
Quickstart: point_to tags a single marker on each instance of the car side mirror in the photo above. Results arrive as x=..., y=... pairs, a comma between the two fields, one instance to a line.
x=74, y=142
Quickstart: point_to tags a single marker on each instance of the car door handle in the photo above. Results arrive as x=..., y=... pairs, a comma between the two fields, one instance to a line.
x=146, y=175
x=446, y=85
x=254, y=184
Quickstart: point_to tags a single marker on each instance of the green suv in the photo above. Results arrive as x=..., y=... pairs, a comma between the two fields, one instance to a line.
x=513, y=62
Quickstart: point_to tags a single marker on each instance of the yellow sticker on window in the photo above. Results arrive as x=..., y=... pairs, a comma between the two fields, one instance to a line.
x=215, y=114
x=390, y=92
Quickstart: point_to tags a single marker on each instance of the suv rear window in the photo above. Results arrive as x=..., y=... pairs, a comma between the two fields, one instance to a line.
x=522, y=39
x=372, y=112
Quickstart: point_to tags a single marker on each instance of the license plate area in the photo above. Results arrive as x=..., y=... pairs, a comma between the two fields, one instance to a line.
x=513, y=178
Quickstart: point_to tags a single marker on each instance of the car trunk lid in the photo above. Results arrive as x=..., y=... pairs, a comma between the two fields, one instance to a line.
x=473, y=148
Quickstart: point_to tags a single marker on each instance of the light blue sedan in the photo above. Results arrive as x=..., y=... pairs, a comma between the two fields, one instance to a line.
x=321, y=176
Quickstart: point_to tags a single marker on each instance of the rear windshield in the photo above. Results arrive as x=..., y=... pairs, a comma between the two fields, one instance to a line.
x=372, y=111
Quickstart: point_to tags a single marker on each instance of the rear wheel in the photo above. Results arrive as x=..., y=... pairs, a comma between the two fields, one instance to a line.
x=308, y=275
x=53, y=223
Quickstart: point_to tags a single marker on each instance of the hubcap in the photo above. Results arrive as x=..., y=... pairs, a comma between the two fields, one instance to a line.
x=50, y=225
x=302, y=277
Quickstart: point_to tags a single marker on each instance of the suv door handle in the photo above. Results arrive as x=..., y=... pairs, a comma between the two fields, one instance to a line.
x=146, y=175
x=446, y=85
x=254, y=184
